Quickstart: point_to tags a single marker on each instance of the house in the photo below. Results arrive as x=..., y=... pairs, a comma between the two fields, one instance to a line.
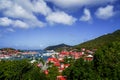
x=76, y=55
x=89, y=51
x=63, y=67
x=88, y=58
x=65, y=53
x=40, y=64
x=61, y=77
x=57, y=64
x=52, y=60
x=67, y=65
x=46, y=72
x=32, y=61
x=55, y=61
x=61, y=59
x=83, y=49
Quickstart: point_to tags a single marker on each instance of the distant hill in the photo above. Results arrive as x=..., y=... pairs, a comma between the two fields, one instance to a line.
x=58, y=47
x=5, y=49
x=91, y=44
x=100, y=41
x=11, y=50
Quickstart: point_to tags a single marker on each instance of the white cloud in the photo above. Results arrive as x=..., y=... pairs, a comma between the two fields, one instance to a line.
x=41, y=7
x=105, y=12
x=37, y=6
x=14, y=23
x=86, y=16
x=10, y=30
x=61, y=18
x=4, y=4
x=5, y=21
x=78, y=3
x=24, y=10
x=17, y=11
x=20, y=24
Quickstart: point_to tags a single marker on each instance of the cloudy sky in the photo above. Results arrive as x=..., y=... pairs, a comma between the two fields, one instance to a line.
x=36, y=24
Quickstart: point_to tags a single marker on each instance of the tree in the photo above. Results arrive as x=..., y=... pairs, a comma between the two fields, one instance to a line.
x=105, y=65
x=53, y=73
x=80, y=70
x=106, y=61
x=20, y=70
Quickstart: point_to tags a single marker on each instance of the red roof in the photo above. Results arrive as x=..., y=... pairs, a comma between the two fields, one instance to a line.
x=88, y=58
x=46, y=72
x=83, y=49
x=39, y=65
x=64, y=53
x=66, y=65
x=61, y=78
x=53, y=59
x=61, y=68
x=57, y=64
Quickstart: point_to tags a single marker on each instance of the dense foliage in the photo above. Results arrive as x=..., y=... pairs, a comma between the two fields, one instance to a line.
x=20, y=70
x=105, y=66
x=53, y=73
x=100, y=41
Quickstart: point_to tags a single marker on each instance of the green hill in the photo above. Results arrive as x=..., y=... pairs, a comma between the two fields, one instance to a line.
x=100, y=41
x=91, y=44
x=58, y=47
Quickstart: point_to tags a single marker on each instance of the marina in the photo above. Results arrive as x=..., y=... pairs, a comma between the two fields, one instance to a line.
x=29, y=54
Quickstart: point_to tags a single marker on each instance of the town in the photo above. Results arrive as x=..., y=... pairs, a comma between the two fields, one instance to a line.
x=61, y=59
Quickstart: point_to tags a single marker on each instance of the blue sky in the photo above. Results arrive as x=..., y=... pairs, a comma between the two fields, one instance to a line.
x=36, y=24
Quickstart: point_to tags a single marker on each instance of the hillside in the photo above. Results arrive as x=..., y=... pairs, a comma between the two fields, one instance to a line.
x=95, y=43
x=7, y=49
x=100, y=41
x=58, y=47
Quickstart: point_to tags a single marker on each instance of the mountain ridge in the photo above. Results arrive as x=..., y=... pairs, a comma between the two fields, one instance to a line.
x=59, y=46
x=100, y=41
x=91, y=44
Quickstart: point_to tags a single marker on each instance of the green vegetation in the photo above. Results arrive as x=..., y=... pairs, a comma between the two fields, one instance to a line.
x=53, y=73
x=59, y=47
x=20, y=70
x=105, y=66
x=23, y=70
x=100, y=41
x=95, y=43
